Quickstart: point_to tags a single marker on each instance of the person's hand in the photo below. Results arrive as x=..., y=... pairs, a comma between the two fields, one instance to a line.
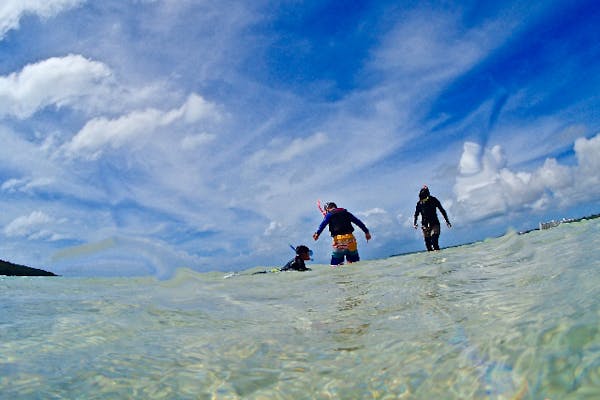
x=449, y=224
x=368, y=236
x=416, y=226
x=315, y=236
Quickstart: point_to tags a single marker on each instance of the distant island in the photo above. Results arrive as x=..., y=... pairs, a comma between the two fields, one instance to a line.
x=542, y=226
x=10, y=269
x=553, y=223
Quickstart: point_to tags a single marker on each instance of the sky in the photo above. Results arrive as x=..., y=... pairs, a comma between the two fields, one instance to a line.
x=143, y=136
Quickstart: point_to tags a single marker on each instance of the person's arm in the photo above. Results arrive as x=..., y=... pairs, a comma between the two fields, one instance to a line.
x=289, y=265
x=358, y=222
x=322, y=226
x=361, y=225
x=416, y=216
x=439, y=206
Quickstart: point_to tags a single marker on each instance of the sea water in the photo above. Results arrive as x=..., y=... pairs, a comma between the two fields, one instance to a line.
x=515, y=317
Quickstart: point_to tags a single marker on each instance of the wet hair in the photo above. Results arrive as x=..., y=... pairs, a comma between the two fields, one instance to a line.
x=302, y=249
x=424, y=193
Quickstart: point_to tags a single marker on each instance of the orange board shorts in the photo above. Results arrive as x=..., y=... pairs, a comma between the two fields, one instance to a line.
x=344, y=246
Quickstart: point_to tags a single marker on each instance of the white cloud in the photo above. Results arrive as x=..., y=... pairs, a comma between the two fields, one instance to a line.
x=371, y=212
x=470, y=159
x=433, y=45
x=26, y=225
x=281, y=151
x=196, y=108
x=278, y=149
x=473, y=161
x=416, y=46
x=588, y=151
x=102, y=132
x=380, y=223
x=26, y=185
x=192, y=142
x=11, y=11
x=274, y=227
x=553, y=175
x=59, y=81
x=485, y=187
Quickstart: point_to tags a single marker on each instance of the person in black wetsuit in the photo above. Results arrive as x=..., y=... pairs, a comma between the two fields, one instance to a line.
x=297, y=263
x=303, y=253
x=426, y=206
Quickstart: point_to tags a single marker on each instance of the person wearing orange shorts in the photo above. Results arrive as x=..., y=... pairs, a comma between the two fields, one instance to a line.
x=344, y=243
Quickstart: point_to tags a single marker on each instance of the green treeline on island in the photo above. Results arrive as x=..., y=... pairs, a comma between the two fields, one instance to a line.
x=10, y=269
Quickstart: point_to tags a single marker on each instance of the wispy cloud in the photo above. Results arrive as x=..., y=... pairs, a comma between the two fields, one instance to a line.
x=12, y=11
x=283, y=150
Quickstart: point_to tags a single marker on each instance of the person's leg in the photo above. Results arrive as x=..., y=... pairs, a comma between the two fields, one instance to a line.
x=337, y=257
x=344, y=246
x=434, y=242
x=352, y=249
x=428, y=243
x=352, y=256
x=427, y=237
x=435, y=236
x=338, y=252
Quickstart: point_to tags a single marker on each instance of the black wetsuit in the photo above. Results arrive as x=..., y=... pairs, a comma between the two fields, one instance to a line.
x=296, y=264
x=429, y=221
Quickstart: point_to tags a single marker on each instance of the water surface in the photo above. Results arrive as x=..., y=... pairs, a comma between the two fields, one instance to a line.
x=510, y=318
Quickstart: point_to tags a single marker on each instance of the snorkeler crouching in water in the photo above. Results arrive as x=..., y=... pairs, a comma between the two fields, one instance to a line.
x=303, y=253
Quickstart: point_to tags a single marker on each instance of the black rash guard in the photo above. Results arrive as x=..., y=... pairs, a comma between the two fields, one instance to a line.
x=427, y=209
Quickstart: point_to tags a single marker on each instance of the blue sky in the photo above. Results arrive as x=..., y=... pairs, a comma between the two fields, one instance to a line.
x=143, y=136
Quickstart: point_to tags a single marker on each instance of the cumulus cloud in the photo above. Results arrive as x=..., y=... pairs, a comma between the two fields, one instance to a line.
x=59, y=81
x=264, y=156
x=486, y=187
x=470, y=162
x=103, y=132
x=11, y=11
x=587, y=152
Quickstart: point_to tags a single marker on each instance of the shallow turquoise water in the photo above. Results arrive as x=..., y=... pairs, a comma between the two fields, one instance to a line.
x=516, y=317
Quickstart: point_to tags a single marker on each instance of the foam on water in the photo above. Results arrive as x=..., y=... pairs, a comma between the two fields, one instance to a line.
x=510, y=318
